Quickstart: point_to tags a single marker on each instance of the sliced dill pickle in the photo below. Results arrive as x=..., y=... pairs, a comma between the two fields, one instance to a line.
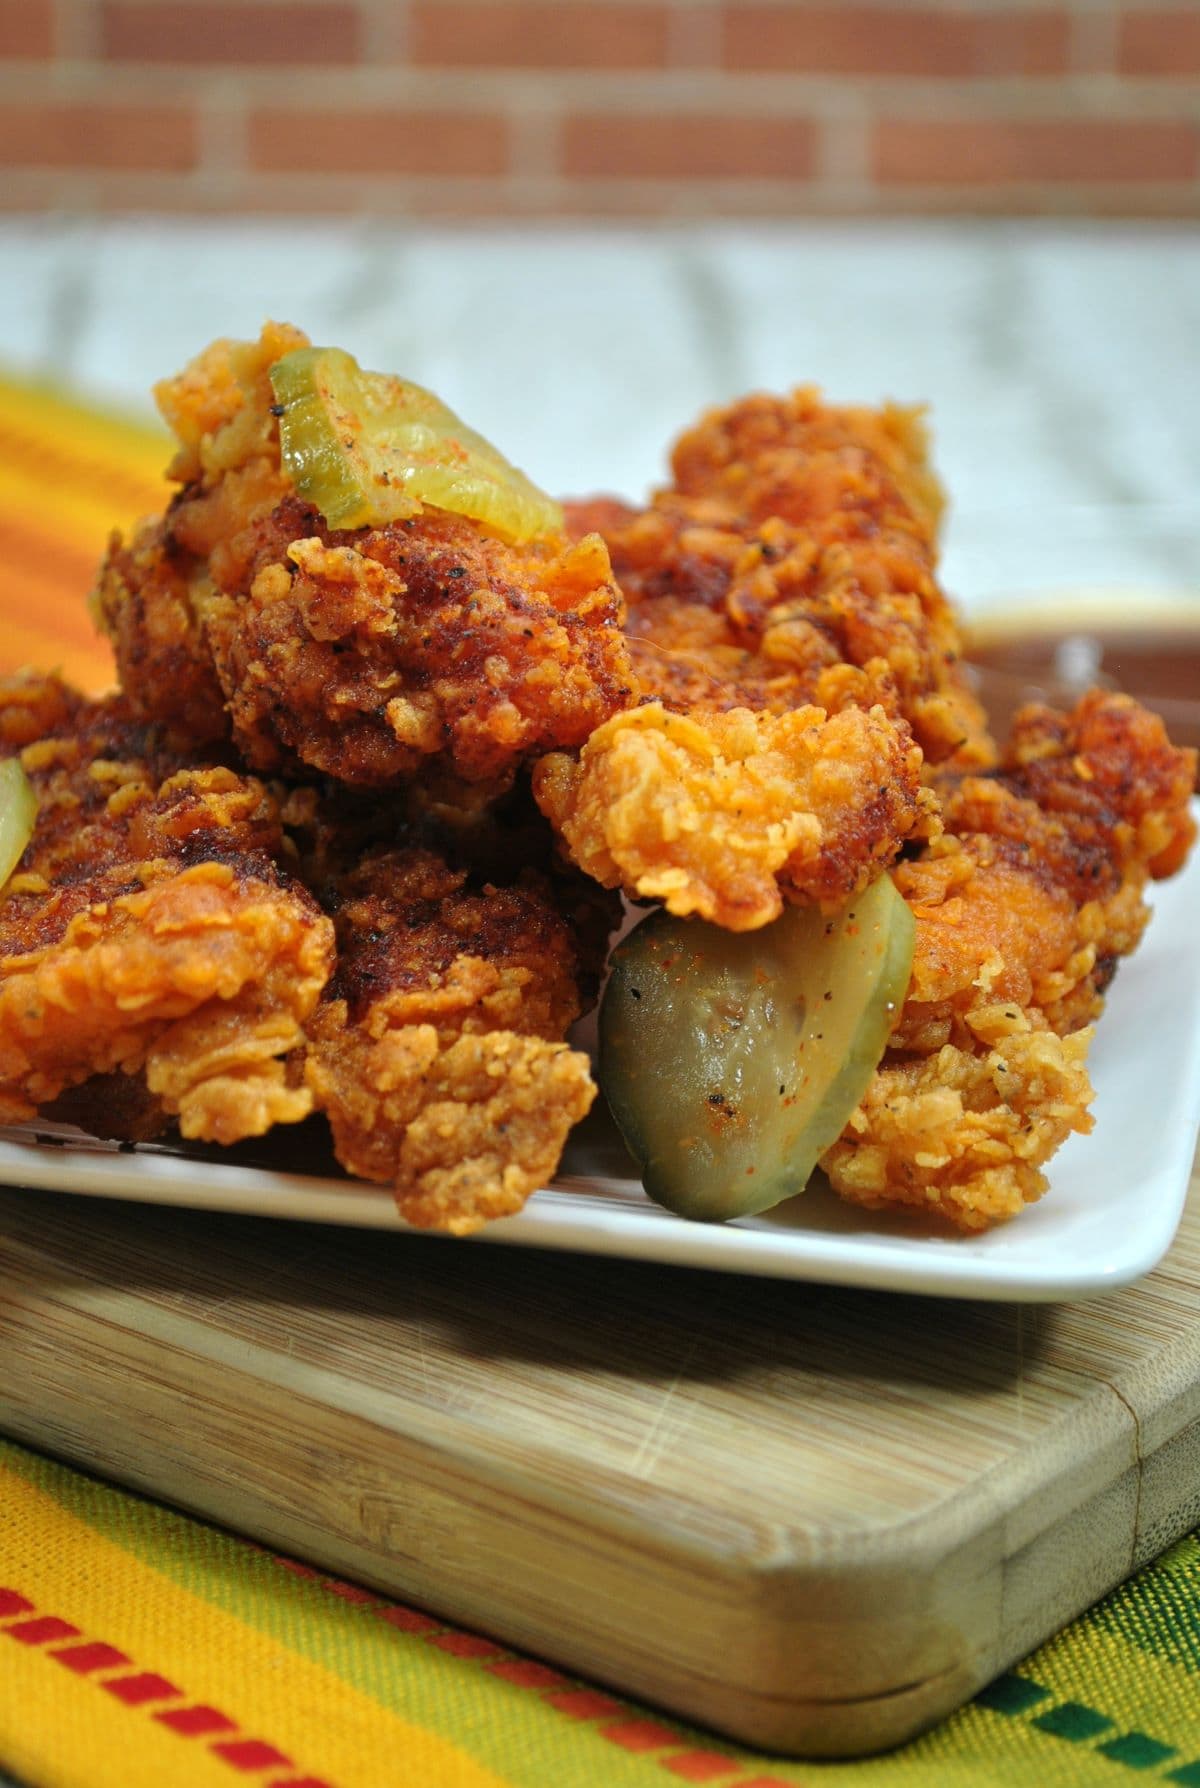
x=366, y=448
x=18, y=814
x=732, y=1060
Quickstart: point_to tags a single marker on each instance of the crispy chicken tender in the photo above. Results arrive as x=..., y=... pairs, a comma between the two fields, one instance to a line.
x=797, y=538
x=437, y=1053
x=1023, y=907
x=726, y=814
x=371, y=655
x=148, y=929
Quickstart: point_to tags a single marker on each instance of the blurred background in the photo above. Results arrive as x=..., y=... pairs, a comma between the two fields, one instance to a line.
x=602, y=108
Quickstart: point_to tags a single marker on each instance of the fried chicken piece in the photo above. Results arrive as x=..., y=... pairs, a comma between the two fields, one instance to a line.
x=797, y=537
x=148, y=929
x=1023, y=907
x=726, y=814
x=437, y=1052
x=372, y=655
x=151, y=591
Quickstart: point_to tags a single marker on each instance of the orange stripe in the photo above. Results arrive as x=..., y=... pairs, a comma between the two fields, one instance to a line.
x=52, y=461
x=44, y=582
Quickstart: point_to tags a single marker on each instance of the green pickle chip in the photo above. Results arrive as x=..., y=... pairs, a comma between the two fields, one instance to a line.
x=367, y=448
x=732, y=1060
x=18, y=814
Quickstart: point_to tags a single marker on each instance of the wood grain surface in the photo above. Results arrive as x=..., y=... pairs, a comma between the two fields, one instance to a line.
x=814, y=1518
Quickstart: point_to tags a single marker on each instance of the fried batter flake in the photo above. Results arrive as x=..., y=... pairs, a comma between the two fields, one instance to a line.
x=1023, y=908
x=148, y=928
x=797, y=536
x=725, y=814
x=437, y=1055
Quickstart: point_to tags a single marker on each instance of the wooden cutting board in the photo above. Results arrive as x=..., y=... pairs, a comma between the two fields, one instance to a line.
x=816, y=1519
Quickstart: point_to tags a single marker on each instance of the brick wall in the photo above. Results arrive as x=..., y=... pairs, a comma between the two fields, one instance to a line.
x=620, y=108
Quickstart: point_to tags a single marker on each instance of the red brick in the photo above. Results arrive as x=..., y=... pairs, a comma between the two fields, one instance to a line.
x=1033, y=151
x=553, y=34
x=691, y=147
x=371, y=141
x=230, y=31
x=65, y=134
x=894, y=40
x=26, y=28
x=1163, y=42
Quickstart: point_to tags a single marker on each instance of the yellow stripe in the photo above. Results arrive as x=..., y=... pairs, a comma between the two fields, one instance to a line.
x=67, y=477
x=133, y=449
x=85, y=513
x=63, y=1732
x=66, y=1732
x=1132, y=1687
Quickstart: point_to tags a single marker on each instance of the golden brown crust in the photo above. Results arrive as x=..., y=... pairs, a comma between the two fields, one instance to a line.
x=797, y=537
x=726, y=815
x=148, y=929
x=437, y=1055
x=371, y=656
x=1024, y=907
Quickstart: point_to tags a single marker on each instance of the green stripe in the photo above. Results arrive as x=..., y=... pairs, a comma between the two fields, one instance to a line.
x=1137, y=1750
x=1158, y=1610
x=1012, y=1694
x=1000, y=1738
x=501, y=1725
x=1073, y=1721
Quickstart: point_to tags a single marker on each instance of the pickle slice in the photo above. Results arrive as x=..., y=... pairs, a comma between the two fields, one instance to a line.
x=366, y=448
x=18, y=814
x=732, y=1060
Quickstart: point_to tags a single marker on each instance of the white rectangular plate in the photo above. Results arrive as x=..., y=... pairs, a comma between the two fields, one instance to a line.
x=1114, y=1202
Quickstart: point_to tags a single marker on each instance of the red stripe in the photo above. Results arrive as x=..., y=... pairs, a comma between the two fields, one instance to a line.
x=349, y=1592
x=196, y=1722
x=527, y=1673
x=250, y=1753
x=93, y=1656
x=44, y=1628
x=702, y=1766
x=640, y=1735
x=466, y=1645
x=583, y=1704
x=147, y=1686
x=245, y=1754
x=409, y=1620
